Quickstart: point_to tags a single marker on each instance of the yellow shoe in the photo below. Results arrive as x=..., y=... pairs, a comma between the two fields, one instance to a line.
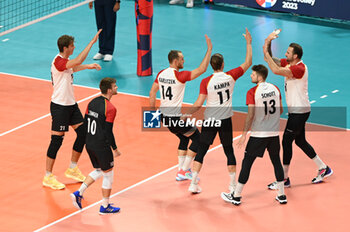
x=75, y=174
x=50, y=181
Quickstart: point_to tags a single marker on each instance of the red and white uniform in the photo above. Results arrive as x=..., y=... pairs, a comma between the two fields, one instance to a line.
x=219, y=89
x=62, y=81
x=267, y=100
x=296, y=88
x=172, y=90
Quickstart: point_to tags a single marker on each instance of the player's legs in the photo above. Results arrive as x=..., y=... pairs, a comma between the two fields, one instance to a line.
x=287, y=142
x=76, y=122
x=106, y=207
x=274, y=152
x=225, y=134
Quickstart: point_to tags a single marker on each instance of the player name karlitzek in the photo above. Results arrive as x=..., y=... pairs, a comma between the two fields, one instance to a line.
x=166, y=81
x=211, y=122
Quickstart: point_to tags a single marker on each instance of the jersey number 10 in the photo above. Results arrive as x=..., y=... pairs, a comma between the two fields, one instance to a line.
x=91, y=126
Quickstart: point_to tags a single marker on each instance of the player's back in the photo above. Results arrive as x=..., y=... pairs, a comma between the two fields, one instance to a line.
x=98, y=112
x=267, y=98
x=172, y=90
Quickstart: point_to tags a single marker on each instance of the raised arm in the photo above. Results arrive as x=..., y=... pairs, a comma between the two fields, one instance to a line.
x=205, y=62
x=268, y=41
x=248, y=57
x=82, y=56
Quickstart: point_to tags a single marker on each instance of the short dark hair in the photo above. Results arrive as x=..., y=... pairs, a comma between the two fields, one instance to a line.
x=173, y=54
x=297, y=49
x=261, y=70
x=106, y=84
x=216, y=61
x=64, y=41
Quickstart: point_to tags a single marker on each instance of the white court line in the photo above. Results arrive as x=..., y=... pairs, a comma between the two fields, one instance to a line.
x=4, y=40
x=324, y=96
x=124, y=190
x=313, y=101
x=42, y=117
x=335, y=91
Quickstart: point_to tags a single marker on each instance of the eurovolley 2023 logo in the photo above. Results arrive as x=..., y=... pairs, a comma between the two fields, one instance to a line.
x=266, y=3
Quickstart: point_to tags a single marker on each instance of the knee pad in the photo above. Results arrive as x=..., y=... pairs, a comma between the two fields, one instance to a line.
x=55, y=144
x=96, y=174
x=107, y=180
x=195, y=141
x=231, y=159
x=80, y=140
x=183, y=143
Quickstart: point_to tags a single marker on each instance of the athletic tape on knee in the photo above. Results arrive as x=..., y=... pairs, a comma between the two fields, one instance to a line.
x=107, y=180
x=183, y=143
x=80, y=140
x=231, y=159
x=195, y=141
x=96, y=174
x=55, y=144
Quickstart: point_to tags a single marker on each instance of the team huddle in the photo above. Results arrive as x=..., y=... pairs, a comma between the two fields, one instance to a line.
x=264, y=103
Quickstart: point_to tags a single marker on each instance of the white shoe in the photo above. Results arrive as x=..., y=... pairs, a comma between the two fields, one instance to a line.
x=190, y=3
x=194, y=188
x=98, y=56
x=173, y=2
x=108, y=58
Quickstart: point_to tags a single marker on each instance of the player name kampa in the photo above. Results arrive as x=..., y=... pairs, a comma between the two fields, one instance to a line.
x=93, y=114
x=222, y=85
x=166, y=81
x=270, y=94
x=211, y=122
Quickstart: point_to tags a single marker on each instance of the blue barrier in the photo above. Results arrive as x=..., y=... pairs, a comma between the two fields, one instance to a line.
x=336, y=9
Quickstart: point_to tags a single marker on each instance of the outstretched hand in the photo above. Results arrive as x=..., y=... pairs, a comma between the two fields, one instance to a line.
x=247, y=36
x=94, y=66
x=273, y=35
x=209, y=44
x=96, y=36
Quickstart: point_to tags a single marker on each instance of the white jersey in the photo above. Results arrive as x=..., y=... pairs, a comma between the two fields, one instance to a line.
x=267, y=100
x=172, y=90
x=219, y=89
x=62, y=81
x=296, y=88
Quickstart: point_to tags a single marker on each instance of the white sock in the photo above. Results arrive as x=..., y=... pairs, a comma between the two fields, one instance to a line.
x=187, y=163
x=72, y=164
x=105, y=202
x=181, y=159
x=319, y=162
x=238, y=189
x=232, y=178
x=82, y=189
x=194, y=178
x=48, y=173
x=285, y=170
x=280, y=187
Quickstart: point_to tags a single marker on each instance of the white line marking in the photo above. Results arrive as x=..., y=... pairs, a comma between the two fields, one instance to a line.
x=335, y=91
x=313, y=101
x=42, y=117
x=324, y=96
x=124, y=190
x=1, y=26
x=4, y=40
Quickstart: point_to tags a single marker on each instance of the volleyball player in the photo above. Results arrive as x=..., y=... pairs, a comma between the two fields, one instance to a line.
x=264, y=109
x=295, y=74
x=217, y=90
x=100, y=145
x=171, y=83
x=64, y=109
